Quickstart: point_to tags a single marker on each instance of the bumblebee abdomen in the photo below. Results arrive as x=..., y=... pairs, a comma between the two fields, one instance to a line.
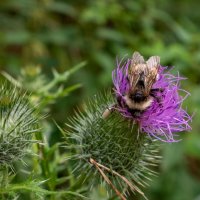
x=142, y=105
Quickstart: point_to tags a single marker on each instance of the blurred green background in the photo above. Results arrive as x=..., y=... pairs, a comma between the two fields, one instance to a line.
x=38, y=36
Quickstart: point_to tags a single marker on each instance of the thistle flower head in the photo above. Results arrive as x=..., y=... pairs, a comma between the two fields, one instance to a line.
x=163, y=118
x=110, y=150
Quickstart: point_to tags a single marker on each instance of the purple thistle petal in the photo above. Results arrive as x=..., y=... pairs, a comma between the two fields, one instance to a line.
x=162, y=119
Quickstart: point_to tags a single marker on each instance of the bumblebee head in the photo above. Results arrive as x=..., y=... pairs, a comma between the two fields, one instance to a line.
x=137, y=96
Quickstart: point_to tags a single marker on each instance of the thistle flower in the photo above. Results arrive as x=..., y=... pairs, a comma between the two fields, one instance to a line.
x=161, y=119
x=113, y=149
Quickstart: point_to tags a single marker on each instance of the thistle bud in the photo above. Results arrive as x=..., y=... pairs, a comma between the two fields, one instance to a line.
x=18, y=123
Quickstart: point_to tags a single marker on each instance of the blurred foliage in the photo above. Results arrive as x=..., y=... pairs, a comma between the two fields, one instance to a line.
x=59, y=34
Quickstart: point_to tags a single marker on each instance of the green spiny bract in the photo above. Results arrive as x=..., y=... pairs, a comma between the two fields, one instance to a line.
x=18, y=123
x=119, y=151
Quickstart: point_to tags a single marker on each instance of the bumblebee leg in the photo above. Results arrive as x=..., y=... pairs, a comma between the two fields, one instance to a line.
x=108, y=111
x=156, y=90
x=158, y=99
x=153, y=91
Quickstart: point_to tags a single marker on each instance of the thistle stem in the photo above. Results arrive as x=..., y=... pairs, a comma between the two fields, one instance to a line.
x=4, y=179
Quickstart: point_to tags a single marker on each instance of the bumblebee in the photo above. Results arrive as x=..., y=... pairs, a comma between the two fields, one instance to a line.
x=141, y=77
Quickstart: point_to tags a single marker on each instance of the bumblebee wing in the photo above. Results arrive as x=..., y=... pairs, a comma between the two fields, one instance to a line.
x=136, y=68
x=137, y=58
x=153, y=62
